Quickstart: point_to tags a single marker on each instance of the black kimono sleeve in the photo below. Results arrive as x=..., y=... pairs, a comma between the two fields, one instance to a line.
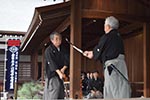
x=50, y=60
x=97, y=51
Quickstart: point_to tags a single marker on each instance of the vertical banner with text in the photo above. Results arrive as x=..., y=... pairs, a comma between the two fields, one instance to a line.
x=12, y=64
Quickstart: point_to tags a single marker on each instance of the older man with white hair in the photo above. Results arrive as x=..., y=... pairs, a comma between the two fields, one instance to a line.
x=110, y=51
x=56, y=62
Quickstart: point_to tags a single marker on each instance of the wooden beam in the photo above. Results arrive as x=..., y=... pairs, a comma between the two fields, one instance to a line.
x=43, y=63
x=53, y=7
x=12, y=33
x=146, y=58
x=86, y=13
x=34, y=65
x=59, y=29
x=91, y=43
x=44, y=13
x=125, y=36
x=145, y=3
x=64, y=25
x=129, y=28
x=56, y=14
x=32, y=28
x=75, y=57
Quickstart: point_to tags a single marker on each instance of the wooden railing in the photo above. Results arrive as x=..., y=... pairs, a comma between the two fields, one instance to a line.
x=137, y=89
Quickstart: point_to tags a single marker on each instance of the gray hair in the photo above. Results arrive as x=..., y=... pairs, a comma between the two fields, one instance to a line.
x=112, y=21
x=54, y=33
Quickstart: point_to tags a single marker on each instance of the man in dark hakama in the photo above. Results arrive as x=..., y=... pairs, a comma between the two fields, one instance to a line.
x=56, y=62
x=110, y=51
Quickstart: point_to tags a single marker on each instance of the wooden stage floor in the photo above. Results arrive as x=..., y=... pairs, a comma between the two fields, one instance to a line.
x=114, y=99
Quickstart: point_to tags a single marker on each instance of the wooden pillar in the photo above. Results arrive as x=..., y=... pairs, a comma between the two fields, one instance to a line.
x=34, y=66
x=75, y=57
x=43, y=64
x=146, y=58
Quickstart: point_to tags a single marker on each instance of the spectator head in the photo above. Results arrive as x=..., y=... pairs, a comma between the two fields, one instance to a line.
x=88, y=74
x=91, y=75
x=95, y=74
x=83, y=75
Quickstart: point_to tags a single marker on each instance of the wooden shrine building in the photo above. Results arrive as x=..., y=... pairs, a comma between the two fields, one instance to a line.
x=82, y=22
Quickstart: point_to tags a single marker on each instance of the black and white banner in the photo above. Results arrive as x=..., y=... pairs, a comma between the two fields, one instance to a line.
x=12, y=64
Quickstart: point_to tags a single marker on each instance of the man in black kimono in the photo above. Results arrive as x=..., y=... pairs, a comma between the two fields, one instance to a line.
x=56, y=62
x=110, y=51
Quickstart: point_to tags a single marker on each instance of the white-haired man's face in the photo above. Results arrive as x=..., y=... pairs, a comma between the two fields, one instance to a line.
x=107, y=28
x=56, y=41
